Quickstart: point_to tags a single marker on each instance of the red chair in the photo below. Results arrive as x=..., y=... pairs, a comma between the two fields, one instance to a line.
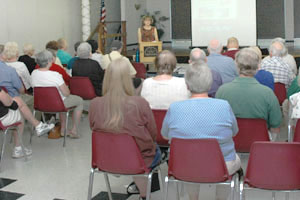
x=198, y=161
x=48, y=100
x=272, y=166
x=140, y=70
x=117, y=154
x=159, y=116
x=280, y=92
x=5, y=130
x=82, y=86
x=250, y=130
x=297, y=132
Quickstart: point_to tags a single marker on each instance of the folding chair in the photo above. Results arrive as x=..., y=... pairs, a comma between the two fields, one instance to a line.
x=198, y=161
x=118, y=154
x=48, y=100
x=273, y=166
x=82, y=86
x=280, y=92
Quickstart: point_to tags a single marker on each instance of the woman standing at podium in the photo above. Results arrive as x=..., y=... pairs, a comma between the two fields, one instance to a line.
x=147, y=33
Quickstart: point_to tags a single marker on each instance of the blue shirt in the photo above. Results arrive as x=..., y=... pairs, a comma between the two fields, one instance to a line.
x=10, y=80
x=224, y=65
x=266, y=78
x=63, y=56
x=71, y=62
x=202, y=118
x=217, y=82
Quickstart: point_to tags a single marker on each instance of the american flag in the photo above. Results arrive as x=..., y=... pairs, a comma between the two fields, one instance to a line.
x=103, y=14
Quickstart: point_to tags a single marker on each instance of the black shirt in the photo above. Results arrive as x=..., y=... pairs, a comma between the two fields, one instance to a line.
x=29, y=62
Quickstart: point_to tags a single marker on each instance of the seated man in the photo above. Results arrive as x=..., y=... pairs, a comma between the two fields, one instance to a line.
x=247, y=97
x=232, y=47
x=9, y=114
x=85, y=66
x=281, y=71
x=224, y=65
x=198, y=56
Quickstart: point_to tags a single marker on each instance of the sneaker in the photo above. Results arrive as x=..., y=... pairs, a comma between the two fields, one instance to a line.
x=18, y=153
x=43, y=128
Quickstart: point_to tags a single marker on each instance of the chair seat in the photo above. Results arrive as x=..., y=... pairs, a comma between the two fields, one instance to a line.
x=2, y=127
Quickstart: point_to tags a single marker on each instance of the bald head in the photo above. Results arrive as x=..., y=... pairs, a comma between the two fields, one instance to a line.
x=276, y=49
x=214, y=46
x=197, y=56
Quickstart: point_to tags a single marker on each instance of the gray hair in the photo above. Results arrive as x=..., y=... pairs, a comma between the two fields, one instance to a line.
x=247, y=61
x=165, y=62
x=198, y=78
x=282, y=41
x=43, y=58
x=84, y=50
x=277, y=49
x=215, y=46
x=197, y=56
x=11, y=50
x=28, y=49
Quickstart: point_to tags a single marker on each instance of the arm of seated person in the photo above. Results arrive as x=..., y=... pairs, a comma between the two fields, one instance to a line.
x=64, y=90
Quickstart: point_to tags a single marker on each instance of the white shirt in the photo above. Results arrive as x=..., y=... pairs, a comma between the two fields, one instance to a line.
x=160, y=94
x=47, y=79
x=22, y=71
x=288, y=59
x=97, y=57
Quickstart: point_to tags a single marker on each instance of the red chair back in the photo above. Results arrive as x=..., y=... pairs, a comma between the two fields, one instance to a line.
x=140, y=70
x=159, y=116
x=297, y=132
x=48, y=99
x=250, y=130
x=82, y=86
x=274, y=166
x=197, y=160
x=116, y=153
x=280, y=92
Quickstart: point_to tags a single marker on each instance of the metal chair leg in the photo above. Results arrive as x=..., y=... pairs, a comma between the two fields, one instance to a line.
x=166, y=187
x=32, y=129
x=149, y=186
x=66, y=128
x=273, y=195
x=242, y=192
x=232, y=188
x=91, y=181
x=21, y=143
x=160, y=178
x=3, y=147
x=287, y=196
x=177, y=190
x=108, y=186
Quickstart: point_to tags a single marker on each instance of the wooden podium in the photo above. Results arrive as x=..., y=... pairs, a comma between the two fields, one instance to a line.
x=149, y=50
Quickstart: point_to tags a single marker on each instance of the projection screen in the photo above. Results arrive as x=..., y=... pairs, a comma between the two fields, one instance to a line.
x=221, y=19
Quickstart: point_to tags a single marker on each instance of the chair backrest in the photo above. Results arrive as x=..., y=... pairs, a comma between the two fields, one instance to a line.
x=82, y=86
x=250, y=130
x=274, y=166
x=140, y=70
x=116, y=153
x=159, y=116
x=280, y=92
x=197, y=160
x=297, y=132
x=48, y=99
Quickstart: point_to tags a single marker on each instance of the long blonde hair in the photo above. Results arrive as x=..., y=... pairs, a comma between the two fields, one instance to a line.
x=117, y=86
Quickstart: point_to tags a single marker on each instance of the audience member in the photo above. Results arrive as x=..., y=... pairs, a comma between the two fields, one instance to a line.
x=71, y=62
x=247, y=97
x=119, y=111
x=232, y=47
x=286, y=57
x=224, y=65
x=198, y=56
x=62, y=53
x=54, y=46
x=202, y=117
x=27, y=58
x=9, y=114
x=43, y=77
x=281, y=71
x=96, y=53
x=11, y=54
x=163, y=89
x=262, y=76
x=84, y=66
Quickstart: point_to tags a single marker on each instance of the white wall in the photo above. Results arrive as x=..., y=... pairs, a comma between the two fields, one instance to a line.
x=37, y=22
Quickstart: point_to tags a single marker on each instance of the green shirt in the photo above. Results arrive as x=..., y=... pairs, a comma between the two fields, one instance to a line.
x=249, y=99
x=294, y=88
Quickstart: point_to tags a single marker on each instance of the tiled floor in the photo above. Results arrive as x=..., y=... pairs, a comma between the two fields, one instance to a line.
x=54, y=172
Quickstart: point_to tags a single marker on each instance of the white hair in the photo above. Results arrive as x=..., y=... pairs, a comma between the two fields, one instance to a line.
x=84, y=50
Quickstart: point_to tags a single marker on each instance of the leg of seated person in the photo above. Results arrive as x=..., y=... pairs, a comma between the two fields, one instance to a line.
x=192, y=190
x=71, y=101
x=141, y=183
x=234, y=165
x=26, y=111
x=62, y=117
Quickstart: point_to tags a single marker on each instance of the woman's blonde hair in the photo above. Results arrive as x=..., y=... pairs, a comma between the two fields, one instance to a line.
x=11, y=50
x=117, y=86
x=144, y=18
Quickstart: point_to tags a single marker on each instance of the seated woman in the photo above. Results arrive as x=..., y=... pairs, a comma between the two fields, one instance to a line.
x=43, y=77
x=27, y=58
x=121, y=112
x=164, y=89
x=10, y=114
x=147, y=33
x=203, y=117
x=85, y=66
x=62, y=53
